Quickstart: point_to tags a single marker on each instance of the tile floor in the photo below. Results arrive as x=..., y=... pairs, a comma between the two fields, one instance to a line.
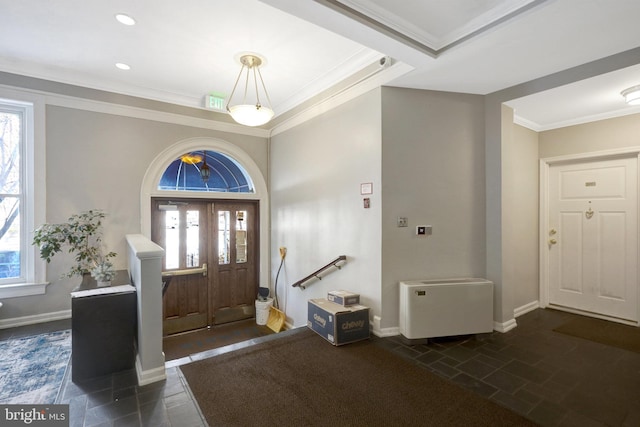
x=550, y=378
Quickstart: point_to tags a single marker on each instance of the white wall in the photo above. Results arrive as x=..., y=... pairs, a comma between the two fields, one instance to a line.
x=433, y=174
x=316, y=208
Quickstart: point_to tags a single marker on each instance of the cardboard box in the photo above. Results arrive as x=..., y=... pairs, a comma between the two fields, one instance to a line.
x=336, y=323
x=345, y=298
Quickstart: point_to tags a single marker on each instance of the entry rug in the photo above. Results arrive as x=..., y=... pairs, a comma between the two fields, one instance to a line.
x=32, y=368
x=610, y=333
x=299, y=379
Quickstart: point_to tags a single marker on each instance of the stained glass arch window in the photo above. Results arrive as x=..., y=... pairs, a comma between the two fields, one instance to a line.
x=225, y=175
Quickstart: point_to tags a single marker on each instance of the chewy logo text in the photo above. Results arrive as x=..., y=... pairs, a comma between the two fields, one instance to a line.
x=321, y=320
x=353, y=325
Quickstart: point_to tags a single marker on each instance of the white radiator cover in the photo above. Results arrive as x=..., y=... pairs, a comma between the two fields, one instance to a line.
x=445, y=307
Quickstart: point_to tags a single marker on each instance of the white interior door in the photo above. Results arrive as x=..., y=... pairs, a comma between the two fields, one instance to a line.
x=593, y=237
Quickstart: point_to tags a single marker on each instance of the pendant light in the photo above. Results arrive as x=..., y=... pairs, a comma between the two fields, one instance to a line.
x=205, y=173
x=250, y=113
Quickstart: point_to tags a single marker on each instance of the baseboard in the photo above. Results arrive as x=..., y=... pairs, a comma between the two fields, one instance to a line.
x=151, y=375
x=382, y=332
x=32, y=320
x=386, y=332
x=506, y=326
x=517, y=312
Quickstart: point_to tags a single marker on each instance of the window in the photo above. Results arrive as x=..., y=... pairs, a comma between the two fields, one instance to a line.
x=11, y=192
x=225, y=175
x=19, y=266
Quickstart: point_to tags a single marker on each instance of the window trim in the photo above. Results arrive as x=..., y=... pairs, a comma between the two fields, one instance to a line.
x=33, y=207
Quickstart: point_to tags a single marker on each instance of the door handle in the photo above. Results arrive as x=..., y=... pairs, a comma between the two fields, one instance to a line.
x=552, y=241
x=202, y=270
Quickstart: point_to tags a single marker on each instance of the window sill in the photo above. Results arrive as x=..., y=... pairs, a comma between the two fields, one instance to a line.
x=22, y=290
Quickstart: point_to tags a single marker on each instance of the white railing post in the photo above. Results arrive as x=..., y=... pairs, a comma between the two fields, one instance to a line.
x=145, y=269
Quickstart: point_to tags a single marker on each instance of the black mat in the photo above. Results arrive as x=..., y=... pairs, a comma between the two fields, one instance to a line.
x=604, y=332
x=181, y=345
x=299, y=379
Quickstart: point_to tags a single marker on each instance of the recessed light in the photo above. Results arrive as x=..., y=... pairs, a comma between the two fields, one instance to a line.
x=123, y=66
x=125, y=19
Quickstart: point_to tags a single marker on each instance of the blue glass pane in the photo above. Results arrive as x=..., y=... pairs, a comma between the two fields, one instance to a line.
x=9, y=264
x=226, y=175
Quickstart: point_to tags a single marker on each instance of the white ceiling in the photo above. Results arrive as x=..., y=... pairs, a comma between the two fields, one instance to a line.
x=181, y=51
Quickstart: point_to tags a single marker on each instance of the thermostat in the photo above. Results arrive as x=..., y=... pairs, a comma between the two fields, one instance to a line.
x=423, y=230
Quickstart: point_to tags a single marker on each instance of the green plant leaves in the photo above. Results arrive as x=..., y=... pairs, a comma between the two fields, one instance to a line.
x=81, y=234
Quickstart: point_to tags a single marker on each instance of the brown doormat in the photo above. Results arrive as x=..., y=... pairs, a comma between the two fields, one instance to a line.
x=610, y=333
x=299, y=379
x=182, y=345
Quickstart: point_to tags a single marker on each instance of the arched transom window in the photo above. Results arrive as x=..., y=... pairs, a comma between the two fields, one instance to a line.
x=204, y=170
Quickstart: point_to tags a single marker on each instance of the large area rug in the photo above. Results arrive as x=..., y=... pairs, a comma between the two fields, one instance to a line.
x=32, y=368
x=300, y=379
x=603, y=332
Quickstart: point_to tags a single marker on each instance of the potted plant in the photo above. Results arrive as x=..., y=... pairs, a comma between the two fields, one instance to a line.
x=81, y=235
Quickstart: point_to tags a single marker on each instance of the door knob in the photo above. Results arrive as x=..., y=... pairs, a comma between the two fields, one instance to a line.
x=552, y=232
x=552, y=241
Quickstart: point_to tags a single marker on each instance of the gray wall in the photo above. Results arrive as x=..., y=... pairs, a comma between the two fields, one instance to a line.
x=447, y=172
x=520, y=231
x=433, y=173
x=97, y=161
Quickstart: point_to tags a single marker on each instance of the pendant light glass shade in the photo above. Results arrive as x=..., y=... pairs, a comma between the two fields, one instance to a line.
x=632, y=95
x=250, y=111
x=251, y=115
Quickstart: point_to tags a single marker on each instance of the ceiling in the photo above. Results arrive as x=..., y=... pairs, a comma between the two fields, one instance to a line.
x=181, y=51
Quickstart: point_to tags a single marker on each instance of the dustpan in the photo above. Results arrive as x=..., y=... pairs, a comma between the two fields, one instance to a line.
x=276, y=319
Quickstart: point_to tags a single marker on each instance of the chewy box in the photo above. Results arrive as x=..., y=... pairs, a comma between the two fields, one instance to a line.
x=345, y=298
x=336, y=323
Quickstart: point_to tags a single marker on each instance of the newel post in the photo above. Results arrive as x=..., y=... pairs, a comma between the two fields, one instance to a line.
x=145, y=268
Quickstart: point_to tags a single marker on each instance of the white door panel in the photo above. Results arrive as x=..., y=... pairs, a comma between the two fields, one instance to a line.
x=593, y=245
x=570, y=262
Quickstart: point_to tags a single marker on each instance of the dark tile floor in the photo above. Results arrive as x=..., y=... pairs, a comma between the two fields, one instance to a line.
x=550, y=378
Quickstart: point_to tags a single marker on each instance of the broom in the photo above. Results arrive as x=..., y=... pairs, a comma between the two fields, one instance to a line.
x=276, y=317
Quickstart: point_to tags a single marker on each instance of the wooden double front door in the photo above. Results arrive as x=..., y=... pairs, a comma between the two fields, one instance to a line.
x=210, y=262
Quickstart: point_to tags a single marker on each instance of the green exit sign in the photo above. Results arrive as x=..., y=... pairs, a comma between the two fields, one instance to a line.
x=215, y=102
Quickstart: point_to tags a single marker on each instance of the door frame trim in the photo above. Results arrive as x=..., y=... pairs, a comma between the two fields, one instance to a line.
x=545, y=164
x=158, y=165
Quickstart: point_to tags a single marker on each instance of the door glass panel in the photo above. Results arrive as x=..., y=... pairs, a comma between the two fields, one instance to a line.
x=224, y=234
x=193, y=239
x=241, y=236
x=172, y=239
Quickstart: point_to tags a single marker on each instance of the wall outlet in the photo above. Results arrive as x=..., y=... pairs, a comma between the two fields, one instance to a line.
x=403, y=221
